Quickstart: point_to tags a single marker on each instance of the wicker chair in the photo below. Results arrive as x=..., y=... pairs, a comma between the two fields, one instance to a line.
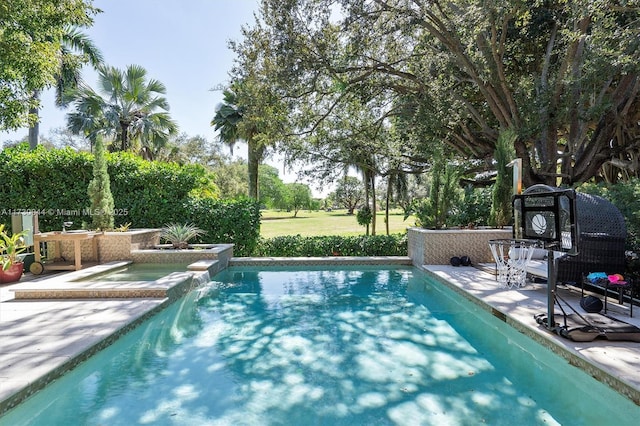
x=601, y=244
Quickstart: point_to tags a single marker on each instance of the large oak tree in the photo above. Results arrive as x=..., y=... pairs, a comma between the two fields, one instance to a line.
x=563, y=76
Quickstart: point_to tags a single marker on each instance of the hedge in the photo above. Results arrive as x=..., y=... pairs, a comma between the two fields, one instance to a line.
x=147, y=194
x=364, y=245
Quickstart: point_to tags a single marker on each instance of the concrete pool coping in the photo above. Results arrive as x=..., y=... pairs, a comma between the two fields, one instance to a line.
x=42, y=339
x=59, y=322
x=615, y=363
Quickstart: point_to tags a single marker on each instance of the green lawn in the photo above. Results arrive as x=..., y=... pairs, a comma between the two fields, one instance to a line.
x=337, y=222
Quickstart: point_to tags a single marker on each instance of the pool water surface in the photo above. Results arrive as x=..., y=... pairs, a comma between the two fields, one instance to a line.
x=314, y=346
x=137, y=272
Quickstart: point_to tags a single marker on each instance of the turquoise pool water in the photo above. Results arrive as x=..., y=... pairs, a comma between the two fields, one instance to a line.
x=365, y=346
x=138, y=272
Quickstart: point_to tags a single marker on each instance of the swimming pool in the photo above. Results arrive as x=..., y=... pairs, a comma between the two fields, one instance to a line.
x=316, y=346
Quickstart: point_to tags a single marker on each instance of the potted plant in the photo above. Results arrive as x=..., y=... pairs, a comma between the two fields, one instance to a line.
x=10, y=247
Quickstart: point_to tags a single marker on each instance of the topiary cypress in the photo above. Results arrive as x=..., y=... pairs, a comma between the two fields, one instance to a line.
x=99, y=191
x=501, y=211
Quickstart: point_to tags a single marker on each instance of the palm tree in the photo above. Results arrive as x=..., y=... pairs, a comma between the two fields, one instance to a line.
x=229, y=121
x=128, y=108
x=228, y=116
x=76, y=49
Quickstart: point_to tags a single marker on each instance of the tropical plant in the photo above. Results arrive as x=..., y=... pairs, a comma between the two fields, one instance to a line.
x=76, y=49
x=10, y=247
x=228, y=120
x=127, y=107
x=364, y=217
x=123, y=228
x=436, y=211
x=228, y=116
x=473, y=208
x=179, y=235
x=252, y=110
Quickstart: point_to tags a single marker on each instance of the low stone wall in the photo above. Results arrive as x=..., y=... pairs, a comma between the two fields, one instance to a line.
x=438, y=246
x=113, y=245
x=220, y=252
x=139, y=246
x=119, y=245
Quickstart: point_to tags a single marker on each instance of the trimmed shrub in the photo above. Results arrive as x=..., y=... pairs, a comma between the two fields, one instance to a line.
x=147, y=194
x=234, y=221
x=333, y=245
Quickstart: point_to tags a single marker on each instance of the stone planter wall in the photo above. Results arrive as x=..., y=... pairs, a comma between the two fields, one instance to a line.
x=438, y=246
x=114, y=245
x=139, y=246
x=220, y=252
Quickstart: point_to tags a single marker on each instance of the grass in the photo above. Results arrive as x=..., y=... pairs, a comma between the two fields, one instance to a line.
x=338, y=222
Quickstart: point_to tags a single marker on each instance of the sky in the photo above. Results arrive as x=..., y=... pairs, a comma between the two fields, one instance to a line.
x=181, y=43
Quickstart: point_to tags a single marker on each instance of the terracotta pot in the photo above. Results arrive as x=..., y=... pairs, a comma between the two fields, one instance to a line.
x=13, y=274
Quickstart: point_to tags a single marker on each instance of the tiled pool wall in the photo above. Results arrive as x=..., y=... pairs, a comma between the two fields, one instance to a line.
x=74, y=361
x=94, y=283
x=312, y=261
x=548, y=341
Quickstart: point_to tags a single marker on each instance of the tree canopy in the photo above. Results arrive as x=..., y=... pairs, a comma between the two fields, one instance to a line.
x=563, y=76
x=252, y=109
x=349, y=193
x=31, y=33
x=127, y=107
x=76, y=49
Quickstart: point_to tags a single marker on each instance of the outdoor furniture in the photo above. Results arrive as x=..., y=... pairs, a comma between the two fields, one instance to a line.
x=629, y=288
x=54, y=239
x=601, y=239
x=512, y=257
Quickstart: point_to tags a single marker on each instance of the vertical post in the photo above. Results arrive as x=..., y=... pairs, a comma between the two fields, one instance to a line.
x=552, y=267
x=517, y=175
x=517, y=190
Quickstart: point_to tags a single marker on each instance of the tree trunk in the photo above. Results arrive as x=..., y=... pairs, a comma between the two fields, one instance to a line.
x=374, y=204
x=254, y=157
x=34, y=129
x=125, y=137
x=386, y=207
x=367, y=193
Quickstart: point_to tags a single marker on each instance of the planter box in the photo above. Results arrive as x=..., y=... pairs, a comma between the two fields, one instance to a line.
x=119, y=245
x=438, y=246
x=114, y=245
x=220, y=252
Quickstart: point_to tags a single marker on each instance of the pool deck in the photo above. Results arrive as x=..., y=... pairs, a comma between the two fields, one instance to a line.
x=60, y=322
x=40, y=339
x=616, y=363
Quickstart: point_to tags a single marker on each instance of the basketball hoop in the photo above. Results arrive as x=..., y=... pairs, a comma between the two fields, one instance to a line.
x=512, y=257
